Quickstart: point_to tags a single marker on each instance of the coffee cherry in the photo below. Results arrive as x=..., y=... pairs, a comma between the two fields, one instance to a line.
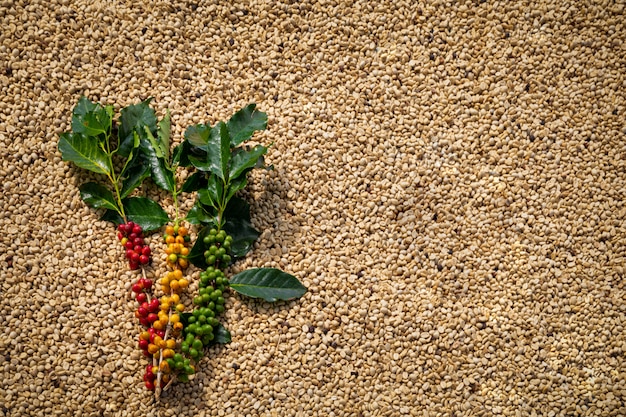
x=153, y=306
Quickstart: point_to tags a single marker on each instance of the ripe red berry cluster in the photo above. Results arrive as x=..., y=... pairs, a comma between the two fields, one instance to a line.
x=146, y=313
x=131, y=237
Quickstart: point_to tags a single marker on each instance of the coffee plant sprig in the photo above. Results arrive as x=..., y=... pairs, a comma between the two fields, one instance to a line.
x=223, y=163
x=139, y=143
x=98, y=144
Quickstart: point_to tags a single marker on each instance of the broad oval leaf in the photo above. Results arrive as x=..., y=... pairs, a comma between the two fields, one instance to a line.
x=218, y=153
x=164, y=134
x=245, y=160
x=236, y=185
x=161, y=175
x=244, y=123
x=145, y=212
x=84, y=152
x=98, y=196
x=134, y=176
x=113, y=217
x=213, y=194
x=270, y=284
x=83, y=107
x=196, y=254
x=222, y=335
x=198, y=135
x=197, y=214
x=134, y=118
x=92, y=124
x=194, y=182
x=239, y=226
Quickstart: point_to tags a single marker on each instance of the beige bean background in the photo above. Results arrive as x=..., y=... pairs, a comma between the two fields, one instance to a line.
x=449, y=183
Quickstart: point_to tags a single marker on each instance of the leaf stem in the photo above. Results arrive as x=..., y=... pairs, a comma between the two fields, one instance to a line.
x=114, y=181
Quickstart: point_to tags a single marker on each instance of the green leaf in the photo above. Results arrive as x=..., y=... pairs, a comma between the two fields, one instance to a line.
x=218, y=153
x=113, y=217
x=145, y=212
x=184, y=318
x=180, y=156
x=83, y=107
x=153, y=142
x=164, y=135
x=194, y=182
x=244, y=123
x=91, y=118
x=213, y=193
x=222, y=335
x=198, y=215
x=238, y=225
x=134, y=176
x=98, y=196
x=134, y=118
x=244, y=160
x=159, y=169
x=269, y=284
x=196, y=254
x=92, y=124
x=198, y=135
x=84, y=152
x=236, y=185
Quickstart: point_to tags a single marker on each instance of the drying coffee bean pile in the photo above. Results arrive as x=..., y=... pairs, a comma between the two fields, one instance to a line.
x=449, y=183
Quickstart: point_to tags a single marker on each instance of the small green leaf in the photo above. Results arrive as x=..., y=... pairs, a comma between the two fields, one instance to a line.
x=134, y=176
x=194, y=182
x=198, y=215
x=83, y=107
x=184, y=318
x=92, y=124
x=164, y=135
x=236, y=185
x=145, y=212
x=213, y=193
x=218, y=154
x=205, y=198
x=134, y=118
x=269, y=284
x=98, y=196
x=196, y=254
x=198, y=135
x=153, y=142
x=113, y=217
x=244, y=123
x=91, y=118
x=180, y=156
x=222, y=335
x=84, y=152
x=238, y=225
x=159, y=169
x=245, y=160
